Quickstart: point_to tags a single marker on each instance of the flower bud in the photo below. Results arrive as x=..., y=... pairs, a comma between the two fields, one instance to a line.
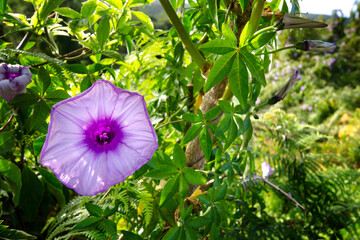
x=291, y=21
x=13, y=80
x=282, y=92
x=315, y=46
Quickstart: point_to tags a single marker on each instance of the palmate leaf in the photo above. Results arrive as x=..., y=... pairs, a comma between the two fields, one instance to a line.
x=238, y=80
x=218, y=46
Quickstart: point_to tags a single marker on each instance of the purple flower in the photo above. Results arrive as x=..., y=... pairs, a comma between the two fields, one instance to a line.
x=291, y=21
x=13, y=80
x=304, y=106
x=266, y=169
x=315, y=46
x=284, y=90
x=310, y=108
x=302, y=88
x=98, y=138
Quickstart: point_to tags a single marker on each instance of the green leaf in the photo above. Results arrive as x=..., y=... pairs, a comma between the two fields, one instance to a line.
x=54, y=186
x=26, y=99
x=238, y=80
x=173, y=234
x=94, y=210
x=115, y=3
x=57, y=95
x=255, y=67
x=86, y=224
x=11, y=172
x=218, y=46
x=129, y=235
x=163, y=172
x=193, y=177
x=37, y=145
x=232, y=134
x=68, y=12
x=223, y=126
x=225, y=106
x=205, y=198
x=48, y=6
x=259, y=40
x=169, y=189
x=15, y=234
x=191, y=117
x=145, y=19
x=111, y=210
x=103, y=31
x=77, y=68
x=245, y=34
x=220, y=70
x=32, y=191
x=229, y=35
x=199, y=222
x=220, y=192
x=44, y=80
x=212, y=113
x=88, y=8
x=243, y=4
x=183, y=186
x=193, y=132
x=179, y=156
x=41, y=112
x=213, y=11
x=6, y=142
x=3, y=6
x=206, y=143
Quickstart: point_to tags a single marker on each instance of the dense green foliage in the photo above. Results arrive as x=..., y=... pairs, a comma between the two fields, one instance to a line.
x=206, y=81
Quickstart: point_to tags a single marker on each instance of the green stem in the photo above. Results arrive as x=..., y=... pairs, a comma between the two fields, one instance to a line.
x=277, y=50
x=258, y=7
x=184, y=36
x=228, y=94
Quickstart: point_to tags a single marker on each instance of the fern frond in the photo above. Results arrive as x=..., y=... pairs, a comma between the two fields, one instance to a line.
x=146, y=203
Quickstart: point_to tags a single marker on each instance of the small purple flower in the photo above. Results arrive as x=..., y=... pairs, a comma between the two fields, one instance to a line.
x=257, y=101
x=266, y=169
x=315, y=46
x=98, y=138
x=310, y=108
x=13, y=80
x=304, y=106
x=303, y=122
x=331, y=63
x=302, y=88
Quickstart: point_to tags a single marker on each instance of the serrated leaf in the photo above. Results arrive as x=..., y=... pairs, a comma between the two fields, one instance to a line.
x=6, y=142
x=255, y=67
x=163, y=172
x=220, y=70
x=145, y=19
x=41, y=112
x=86, y=224
x=259, y=40
x=31, y=193
x=205, y=143
x=238, y=80
x=88, y=8
x=44, y=80
x=218, y=46
x=179, y=156
x=57, y=95
x=103, y=31
x=68, y=12
x=212, y=113
x=10, y=171
x=193, y=177
x=229, y=35
x=193, y=132
x=171, y=186
x=94, y=210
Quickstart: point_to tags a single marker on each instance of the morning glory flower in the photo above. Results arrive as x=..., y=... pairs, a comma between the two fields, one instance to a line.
x=290, y=21
x=98, y=138
x=315, y=46
x=266, y=169
x=13, y=80
x=284, y=90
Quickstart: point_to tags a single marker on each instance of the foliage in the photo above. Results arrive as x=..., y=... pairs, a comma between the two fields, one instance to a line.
x=206, y=81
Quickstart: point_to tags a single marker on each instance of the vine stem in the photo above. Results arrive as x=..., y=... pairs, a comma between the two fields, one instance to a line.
x=277, y=50
x=8, y=122
x=183, y=34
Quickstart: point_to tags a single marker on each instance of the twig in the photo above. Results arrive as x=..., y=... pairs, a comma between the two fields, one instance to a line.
x=168, y=123
x=107, y=192
x=285, y=194
x=8, y=122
